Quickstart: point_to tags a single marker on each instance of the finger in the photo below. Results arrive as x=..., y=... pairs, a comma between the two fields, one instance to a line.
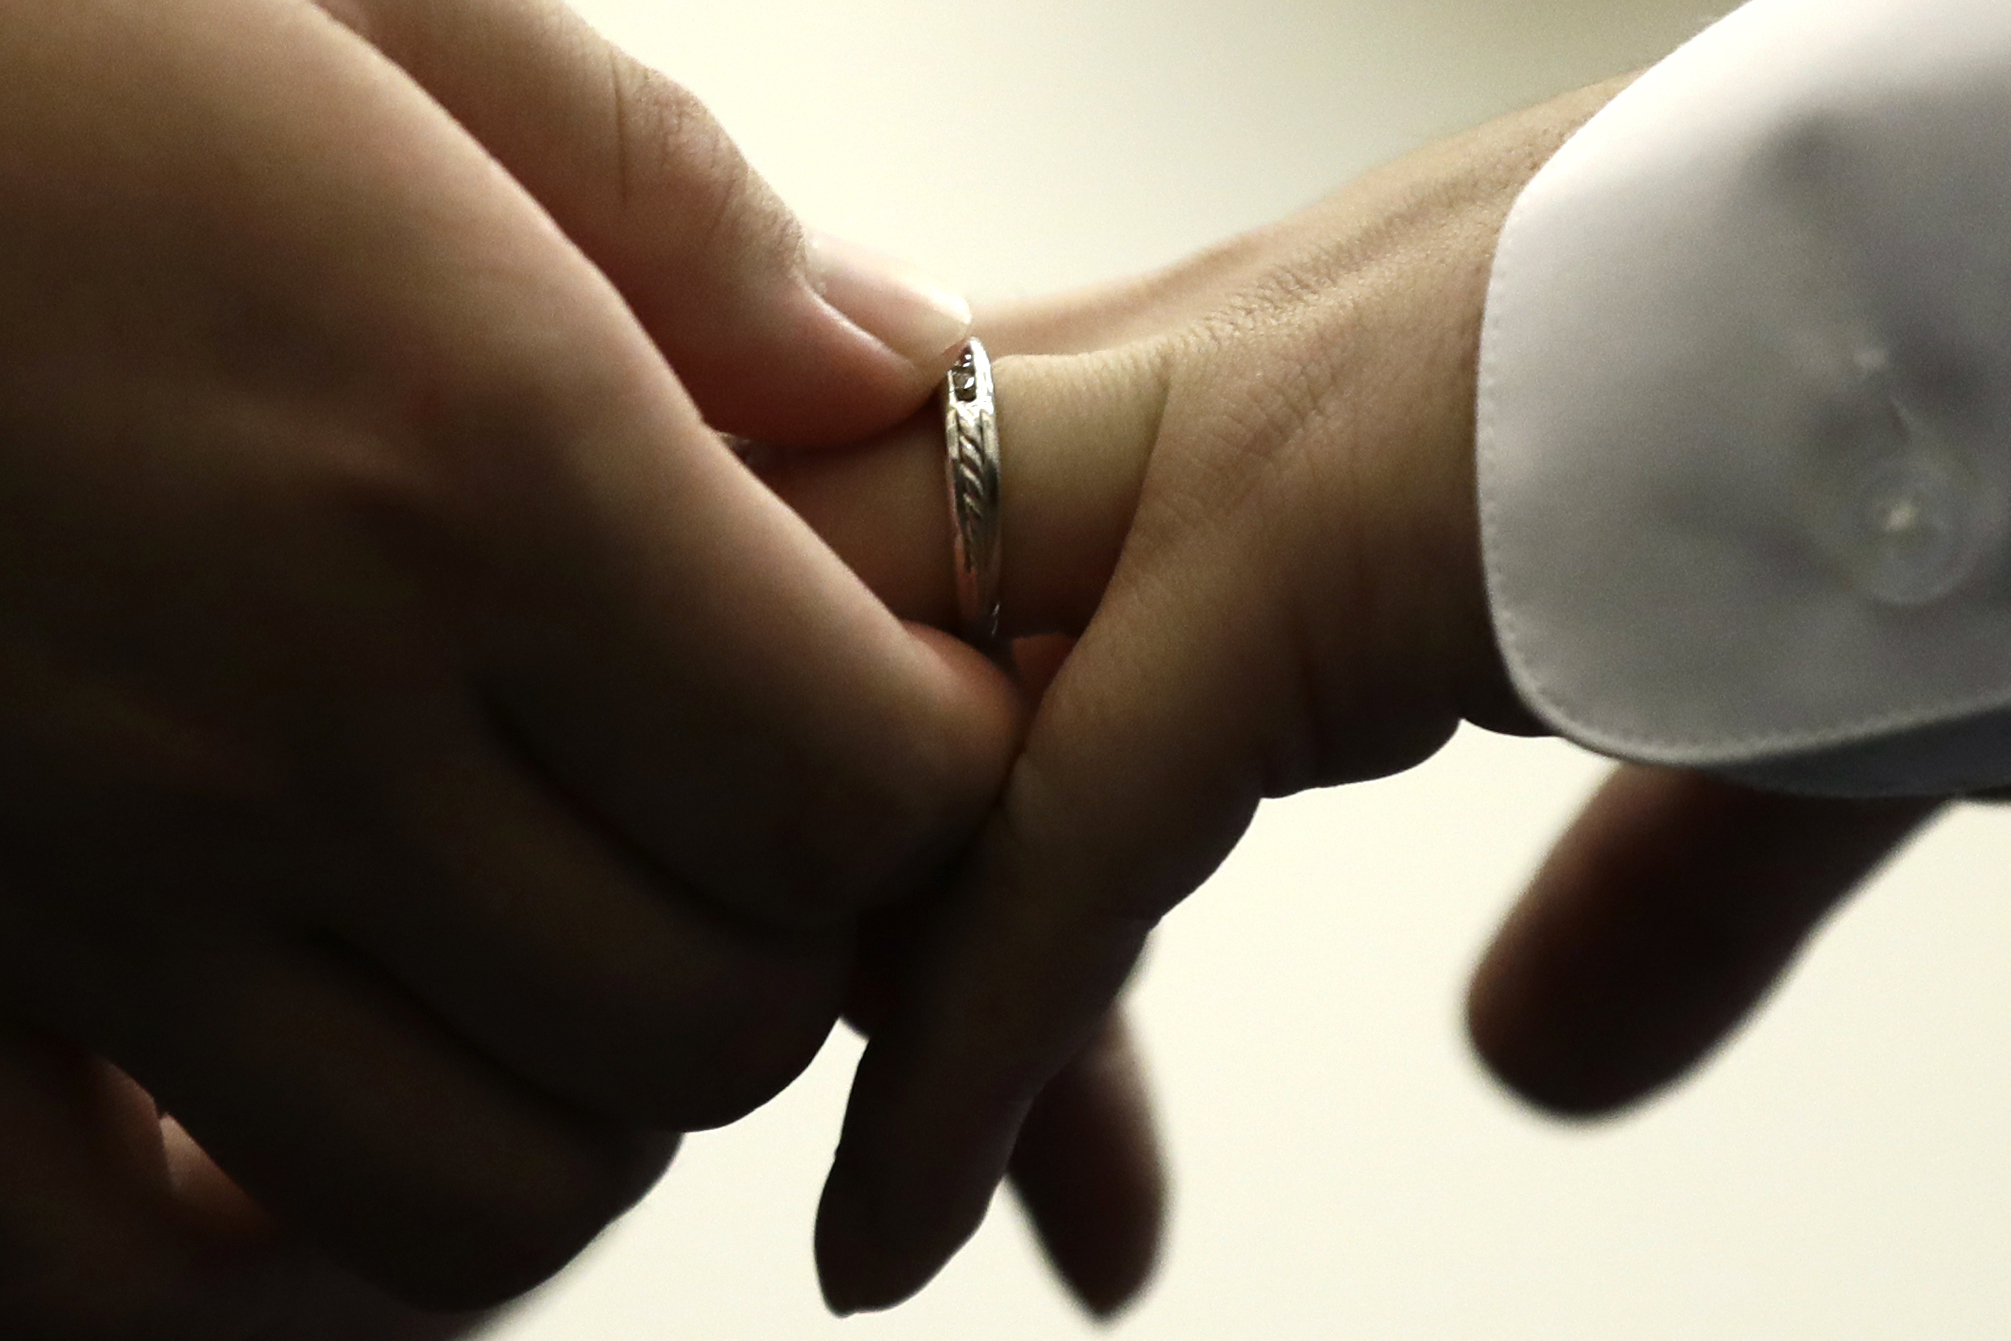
x=1659, y=919
x=1086, y=1166
x=1119, y=806
x=511, y=915
x=775, y=337
x=726, y=697
x=292, y=1291
x=1037, y=659
x=1088, y=1170
x=352, y=1116
x=119, y=1228
x=513, y=918
x=1075, y=434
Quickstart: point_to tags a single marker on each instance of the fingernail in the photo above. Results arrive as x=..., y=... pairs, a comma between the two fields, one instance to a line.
x=910, y=311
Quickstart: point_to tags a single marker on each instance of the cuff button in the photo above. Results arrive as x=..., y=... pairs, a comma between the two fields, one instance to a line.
x=1909, y=528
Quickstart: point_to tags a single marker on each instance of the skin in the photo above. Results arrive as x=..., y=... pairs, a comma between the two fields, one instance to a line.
x=119, y=1228
x=399, y=791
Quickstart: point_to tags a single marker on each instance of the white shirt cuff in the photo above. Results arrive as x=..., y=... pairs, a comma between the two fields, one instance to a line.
x=1744, y=425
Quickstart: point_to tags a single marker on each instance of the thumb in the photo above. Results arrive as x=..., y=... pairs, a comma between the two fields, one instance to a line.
x=777, y=335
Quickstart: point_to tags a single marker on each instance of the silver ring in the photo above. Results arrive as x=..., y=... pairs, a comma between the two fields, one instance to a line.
x=971, y=433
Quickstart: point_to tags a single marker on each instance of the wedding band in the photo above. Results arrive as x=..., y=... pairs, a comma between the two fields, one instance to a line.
x=971, y=433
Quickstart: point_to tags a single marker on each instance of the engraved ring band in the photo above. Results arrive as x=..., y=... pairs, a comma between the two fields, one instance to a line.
x=971, y=435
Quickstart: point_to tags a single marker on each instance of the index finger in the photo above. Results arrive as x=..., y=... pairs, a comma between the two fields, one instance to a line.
x=1656, y=924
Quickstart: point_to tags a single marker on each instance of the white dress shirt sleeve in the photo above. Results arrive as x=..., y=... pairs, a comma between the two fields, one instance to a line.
x=1744, y=421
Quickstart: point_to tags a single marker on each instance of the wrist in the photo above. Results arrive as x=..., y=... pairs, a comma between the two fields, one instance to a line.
x=1398, y=563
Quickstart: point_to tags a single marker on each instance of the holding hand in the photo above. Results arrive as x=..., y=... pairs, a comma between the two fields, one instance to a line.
x=434, y=769
x=1246, y=487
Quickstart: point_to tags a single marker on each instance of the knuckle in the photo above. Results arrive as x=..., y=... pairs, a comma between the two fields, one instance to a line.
x=662, y=133
x=674, y=160
x=1354, y=717
x=708, y=1049
x=760, y=1040
x=479, y=1241
x=856, y=843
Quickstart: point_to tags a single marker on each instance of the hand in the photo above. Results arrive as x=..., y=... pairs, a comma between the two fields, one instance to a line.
x=1247, y=484
x=434, y=768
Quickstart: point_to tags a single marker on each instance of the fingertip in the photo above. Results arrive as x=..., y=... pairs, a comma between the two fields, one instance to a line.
x=906, y=1190
x=842, y=1243
x=1659, y=921
x=1089, y=1171
x=777, y=362
x=860, y=1266
x=1570, y=1008
x=916, y=315
x=1538, y=1065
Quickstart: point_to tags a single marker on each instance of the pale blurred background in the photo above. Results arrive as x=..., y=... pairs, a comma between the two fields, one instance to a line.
x=1342, y=1168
